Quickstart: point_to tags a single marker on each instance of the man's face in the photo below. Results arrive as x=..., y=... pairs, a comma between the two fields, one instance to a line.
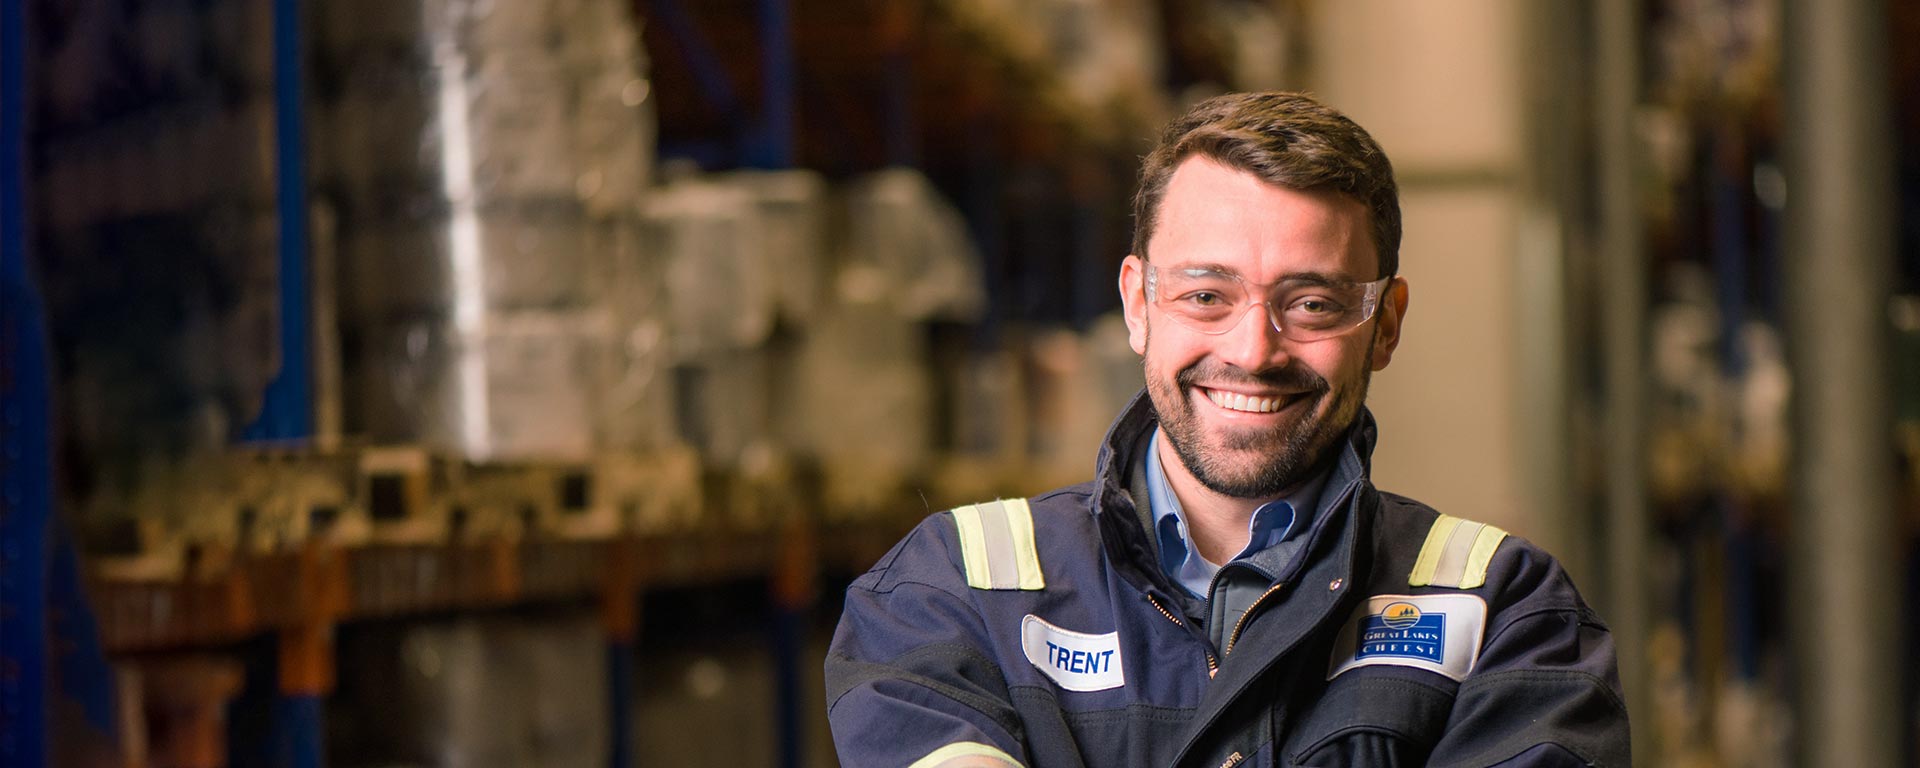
x=1229, y=220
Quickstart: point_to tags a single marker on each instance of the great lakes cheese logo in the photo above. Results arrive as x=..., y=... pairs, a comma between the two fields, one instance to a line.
x=1440, y=633
x=1402, y=629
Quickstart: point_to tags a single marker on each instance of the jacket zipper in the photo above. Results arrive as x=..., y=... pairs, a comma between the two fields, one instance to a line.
x=1277, y=586
x=1343, y=501
x=1242, y=623
x=1213, y=667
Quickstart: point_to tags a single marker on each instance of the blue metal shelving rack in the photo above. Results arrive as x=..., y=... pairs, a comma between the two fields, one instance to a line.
x=25, y=463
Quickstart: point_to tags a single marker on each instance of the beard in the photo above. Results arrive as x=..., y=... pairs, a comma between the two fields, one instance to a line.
x=1260, y=463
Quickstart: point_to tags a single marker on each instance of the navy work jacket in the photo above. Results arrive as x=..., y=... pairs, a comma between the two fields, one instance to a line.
x=1342, y=660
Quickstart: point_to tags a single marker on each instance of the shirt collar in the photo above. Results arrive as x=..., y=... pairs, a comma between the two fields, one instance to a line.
x=1271, y=523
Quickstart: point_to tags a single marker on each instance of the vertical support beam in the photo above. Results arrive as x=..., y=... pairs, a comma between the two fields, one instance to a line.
x=287, y=413
x=1623, y=309
x=620, y=619
x=775, y=145
x=1839, y=239
x=981, y=205
x=620, y=691
x=306, y=663
x=303, y=728
x=13, y=142
x=26, y=470
x=1088, y=254
x=899, y=26
x=793, y=575
x=794, y=585
x=26, y=524
x=700, y=57
x=1549, y=188
x=86, y=679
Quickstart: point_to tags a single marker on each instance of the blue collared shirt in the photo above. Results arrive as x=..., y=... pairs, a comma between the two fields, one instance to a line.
x=1272, y=523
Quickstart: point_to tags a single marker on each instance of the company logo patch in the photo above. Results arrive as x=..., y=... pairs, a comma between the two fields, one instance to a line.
x=1075, y=660
x=1403, y=630
x=1438, y=633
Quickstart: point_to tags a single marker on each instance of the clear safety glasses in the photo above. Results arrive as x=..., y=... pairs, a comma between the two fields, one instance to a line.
x=1302, y=309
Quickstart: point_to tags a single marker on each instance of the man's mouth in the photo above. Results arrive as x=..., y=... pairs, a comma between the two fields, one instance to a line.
x=1244, y=403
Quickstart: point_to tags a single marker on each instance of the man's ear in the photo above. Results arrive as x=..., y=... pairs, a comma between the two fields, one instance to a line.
x=1386, y=333
x=1133, y=301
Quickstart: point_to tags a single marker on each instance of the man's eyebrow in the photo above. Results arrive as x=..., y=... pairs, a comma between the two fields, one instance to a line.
x=1205, y=267
x=1306, y=276
x=1316, y=278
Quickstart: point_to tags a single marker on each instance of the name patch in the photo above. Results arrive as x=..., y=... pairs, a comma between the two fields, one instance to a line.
x=1075, y=661
x=1438, y=633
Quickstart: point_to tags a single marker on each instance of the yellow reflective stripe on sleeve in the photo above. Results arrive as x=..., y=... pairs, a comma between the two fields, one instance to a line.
x=997, y=547
x=1456, y=554
x=1453, y=557
x=1026, y=555
x=961, y=749
x=1483, y=547
x=1003, y=570
x=1429, y=559
x=973, y=546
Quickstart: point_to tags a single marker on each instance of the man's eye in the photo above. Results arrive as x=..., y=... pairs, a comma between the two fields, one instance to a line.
x=1316, y=306
x=1204, y=298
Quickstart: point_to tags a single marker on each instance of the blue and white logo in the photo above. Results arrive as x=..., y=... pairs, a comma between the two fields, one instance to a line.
x=1439, y=633
x=1403, y=630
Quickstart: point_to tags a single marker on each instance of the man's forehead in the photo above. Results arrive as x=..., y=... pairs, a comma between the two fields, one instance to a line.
x=1204, y=172
x=1200, y=170
x=1217, y=217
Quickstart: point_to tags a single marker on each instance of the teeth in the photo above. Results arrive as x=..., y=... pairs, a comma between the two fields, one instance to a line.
x=1239, y=402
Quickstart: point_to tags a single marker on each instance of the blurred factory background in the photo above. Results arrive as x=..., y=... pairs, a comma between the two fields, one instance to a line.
x=519, y=382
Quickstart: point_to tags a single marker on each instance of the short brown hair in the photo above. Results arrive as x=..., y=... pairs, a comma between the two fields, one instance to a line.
x=1288, y=140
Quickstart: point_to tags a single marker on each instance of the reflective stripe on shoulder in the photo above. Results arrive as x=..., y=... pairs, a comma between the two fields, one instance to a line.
x=1456, y=554
x=961, y=749
x=996, y=545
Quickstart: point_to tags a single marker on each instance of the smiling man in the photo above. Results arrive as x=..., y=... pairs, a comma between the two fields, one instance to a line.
x=1230, y=589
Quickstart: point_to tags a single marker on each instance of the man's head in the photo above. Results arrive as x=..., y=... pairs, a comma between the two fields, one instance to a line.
x=1287, y=140
x=1285, y=210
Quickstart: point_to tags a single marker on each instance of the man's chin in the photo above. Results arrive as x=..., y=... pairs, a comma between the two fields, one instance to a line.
x=1250, y=445
x=1245, y=473
x=1263, y=464
x=1246, y=487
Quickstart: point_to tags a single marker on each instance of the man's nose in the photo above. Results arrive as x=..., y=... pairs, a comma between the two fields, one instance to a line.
x=1271, y=314
x=1256, y=344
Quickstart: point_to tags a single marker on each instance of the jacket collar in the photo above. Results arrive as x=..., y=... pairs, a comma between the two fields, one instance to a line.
x=1319, y=580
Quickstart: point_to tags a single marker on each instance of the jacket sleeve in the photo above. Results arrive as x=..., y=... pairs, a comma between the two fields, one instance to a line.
x=911, y=678
x=1546, y=689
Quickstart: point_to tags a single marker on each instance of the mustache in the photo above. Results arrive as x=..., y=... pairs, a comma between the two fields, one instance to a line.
x=1295, y=377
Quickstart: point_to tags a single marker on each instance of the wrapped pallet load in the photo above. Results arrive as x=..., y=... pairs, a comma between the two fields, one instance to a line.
x=486, y=160
x=864, y=372
x=719, y=304
x=900, y=226
x=746, y=270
